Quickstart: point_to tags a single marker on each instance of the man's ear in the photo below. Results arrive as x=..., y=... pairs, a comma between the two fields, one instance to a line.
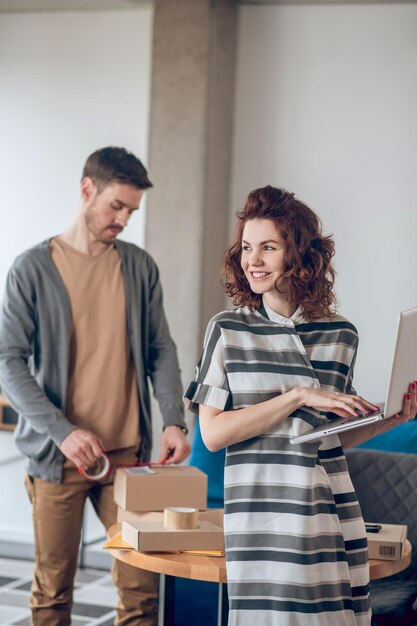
x=88, y=188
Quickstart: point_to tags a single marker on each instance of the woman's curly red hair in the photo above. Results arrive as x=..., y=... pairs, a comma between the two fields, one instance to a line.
x=309, y=276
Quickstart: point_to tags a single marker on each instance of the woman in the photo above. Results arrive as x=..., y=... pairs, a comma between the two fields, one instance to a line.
x=272, y=368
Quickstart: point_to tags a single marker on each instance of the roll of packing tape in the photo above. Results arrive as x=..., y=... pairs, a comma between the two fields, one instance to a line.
x=100, y=469
x=180, y=518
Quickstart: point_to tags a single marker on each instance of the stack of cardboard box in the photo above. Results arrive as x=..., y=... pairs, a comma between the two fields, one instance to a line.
x=142, y=495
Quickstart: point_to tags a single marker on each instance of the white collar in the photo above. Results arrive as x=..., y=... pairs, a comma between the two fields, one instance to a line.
x=295, y=318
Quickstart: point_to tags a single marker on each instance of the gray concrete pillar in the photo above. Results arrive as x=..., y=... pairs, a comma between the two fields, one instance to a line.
x=194, y=44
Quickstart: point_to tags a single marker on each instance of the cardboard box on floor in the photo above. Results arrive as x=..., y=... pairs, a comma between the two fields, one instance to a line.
x=387, y=544
x=215, y=516
x=153, y=536
x=143, y=489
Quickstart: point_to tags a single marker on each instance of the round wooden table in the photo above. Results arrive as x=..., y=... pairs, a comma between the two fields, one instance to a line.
x=213, y=569
x=171, y=566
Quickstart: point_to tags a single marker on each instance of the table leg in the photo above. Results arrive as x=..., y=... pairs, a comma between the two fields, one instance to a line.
x=223, y=606
x=166, y=612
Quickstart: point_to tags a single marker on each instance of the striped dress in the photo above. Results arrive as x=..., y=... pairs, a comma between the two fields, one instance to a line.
x=295, y=540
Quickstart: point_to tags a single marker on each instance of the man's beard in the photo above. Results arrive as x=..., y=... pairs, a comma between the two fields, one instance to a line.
x=100, y=234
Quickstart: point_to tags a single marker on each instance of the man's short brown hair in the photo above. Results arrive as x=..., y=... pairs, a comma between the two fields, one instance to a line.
x=116, y=165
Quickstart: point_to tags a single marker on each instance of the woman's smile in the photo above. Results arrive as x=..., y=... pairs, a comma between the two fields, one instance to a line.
x=260, y=275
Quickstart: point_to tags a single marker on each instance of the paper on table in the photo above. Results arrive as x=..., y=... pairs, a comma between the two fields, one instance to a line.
x=203, y=552
x=117, y=542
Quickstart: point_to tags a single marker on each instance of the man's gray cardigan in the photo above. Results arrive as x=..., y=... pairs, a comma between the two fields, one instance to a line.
x=35, y=332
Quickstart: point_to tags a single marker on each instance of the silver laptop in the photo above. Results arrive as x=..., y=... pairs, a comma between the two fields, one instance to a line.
x=403, y=371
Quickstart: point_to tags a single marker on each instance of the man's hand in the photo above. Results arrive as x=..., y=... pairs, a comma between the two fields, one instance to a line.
x=82, y=448
x=174, y=446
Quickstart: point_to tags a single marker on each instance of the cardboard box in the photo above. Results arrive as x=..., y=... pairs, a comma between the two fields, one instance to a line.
x=387, y=544
x=154, y=488
x=154, y=537
x=215, y=516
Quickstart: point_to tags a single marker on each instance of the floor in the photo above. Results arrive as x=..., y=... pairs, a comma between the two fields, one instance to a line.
x=94, y=596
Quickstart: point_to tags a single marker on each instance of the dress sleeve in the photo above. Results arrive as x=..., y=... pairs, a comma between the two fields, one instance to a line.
x=349, y=388
x=210, y=385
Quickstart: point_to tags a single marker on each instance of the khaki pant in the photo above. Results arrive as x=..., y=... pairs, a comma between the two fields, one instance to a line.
x=57, y=518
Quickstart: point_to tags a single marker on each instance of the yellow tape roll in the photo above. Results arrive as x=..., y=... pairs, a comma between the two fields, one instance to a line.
x=180, y=518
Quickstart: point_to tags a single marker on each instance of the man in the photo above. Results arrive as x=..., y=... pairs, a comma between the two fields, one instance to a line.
x=82, y=330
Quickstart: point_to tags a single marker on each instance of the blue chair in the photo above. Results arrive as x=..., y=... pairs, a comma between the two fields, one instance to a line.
x=402, y=438
x=196, y=601
x=212, y=464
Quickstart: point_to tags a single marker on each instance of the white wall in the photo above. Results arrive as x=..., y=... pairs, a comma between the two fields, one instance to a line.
x=71, y=82
x=326, y=103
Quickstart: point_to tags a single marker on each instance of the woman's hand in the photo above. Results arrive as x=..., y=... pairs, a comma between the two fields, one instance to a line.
x=409, y=408
x=343, y=404
x=360, y=435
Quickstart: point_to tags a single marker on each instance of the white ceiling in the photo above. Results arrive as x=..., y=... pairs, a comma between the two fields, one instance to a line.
x=74, y=5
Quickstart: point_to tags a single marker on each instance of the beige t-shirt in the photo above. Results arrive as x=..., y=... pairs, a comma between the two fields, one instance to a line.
x=102, y=393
